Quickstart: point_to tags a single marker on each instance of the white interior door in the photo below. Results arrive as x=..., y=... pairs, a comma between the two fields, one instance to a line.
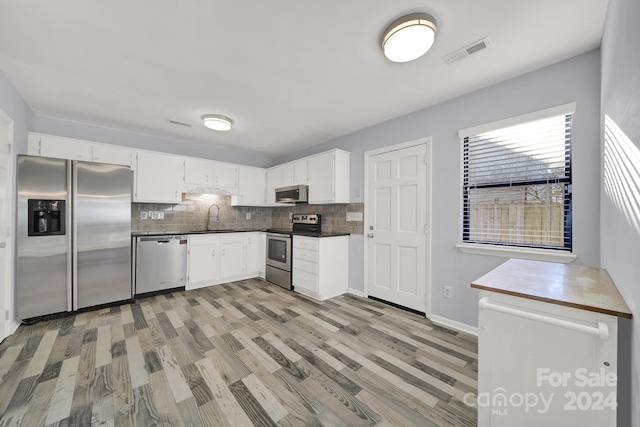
x=396, y=209
x=6, y=208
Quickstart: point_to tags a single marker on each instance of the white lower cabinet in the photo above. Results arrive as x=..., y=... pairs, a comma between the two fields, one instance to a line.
x=320, y=266
x=224, y=257
x=544, y=364
x=203, y=259
x=232, y=260
x=255, y=259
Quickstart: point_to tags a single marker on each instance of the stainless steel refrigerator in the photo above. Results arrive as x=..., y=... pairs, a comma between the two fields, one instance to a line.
x=73, y=235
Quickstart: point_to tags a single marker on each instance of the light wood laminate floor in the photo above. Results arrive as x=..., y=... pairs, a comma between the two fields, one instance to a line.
x=240, y=354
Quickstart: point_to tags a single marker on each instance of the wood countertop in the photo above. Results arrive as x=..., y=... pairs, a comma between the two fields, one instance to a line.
x=586, y=288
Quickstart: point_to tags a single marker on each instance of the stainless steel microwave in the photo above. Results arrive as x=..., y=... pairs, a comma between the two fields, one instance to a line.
x=292, y=194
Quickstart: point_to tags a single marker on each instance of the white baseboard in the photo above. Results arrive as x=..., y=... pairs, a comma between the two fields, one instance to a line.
x=13, y=327
x=453, y=324
x=355, y=292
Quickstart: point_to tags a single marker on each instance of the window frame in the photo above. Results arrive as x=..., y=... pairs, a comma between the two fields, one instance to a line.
x=515, y=249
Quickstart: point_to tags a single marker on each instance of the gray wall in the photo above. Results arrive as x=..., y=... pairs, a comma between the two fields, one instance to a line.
x=576, y=79
x=13, y=104
x=620, y=202
x=106, y=135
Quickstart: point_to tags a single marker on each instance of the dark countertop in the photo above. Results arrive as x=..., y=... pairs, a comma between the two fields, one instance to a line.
x=292, y=233
x=176, y=233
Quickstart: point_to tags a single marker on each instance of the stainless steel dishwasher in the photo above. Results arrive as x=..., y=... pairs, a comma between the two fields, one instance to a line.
x=161, y=263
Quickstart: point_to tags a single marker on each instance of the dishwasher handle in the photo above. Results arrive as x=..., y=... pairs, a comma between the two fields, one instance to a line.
x=163, y=239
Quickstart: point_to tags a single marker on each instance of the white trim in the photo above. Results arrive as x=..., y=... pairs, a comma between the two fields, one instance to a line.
x=569, y=108
x=429, y=231
x=427, y=141
x=356, y=292
x=10, y=324
x=551, y=255
x=453, y=324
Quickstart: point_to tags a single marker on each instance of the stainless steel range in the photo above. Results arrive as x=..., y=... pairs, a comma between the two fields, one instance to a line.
x=279, y=247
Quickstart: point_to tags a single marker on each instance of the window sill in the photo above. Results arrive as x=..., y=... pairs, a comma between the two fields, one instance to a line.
x=514, y=252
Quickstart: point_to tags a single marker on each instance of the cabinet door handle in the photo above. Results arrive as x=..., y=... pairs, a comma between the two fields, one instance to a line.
x=601, y=331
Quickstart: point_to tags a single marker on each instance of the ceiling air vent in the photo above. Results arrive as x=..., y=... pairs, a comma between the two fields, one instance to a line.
x=467, y=51
x=176, y=122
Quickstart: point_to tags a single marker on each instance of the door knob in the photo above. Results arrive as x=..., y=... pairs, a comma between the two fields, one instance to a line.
x=370, y=235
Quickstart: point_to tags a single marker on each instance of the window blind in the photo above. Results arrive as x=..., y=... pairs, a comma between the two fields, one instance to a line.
x=517, y=184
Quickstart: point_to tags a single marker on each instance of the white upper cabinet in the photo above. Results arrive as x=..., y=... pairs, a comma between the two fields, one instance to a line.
x=251, y=187
x=158, y=178
x=329, y=177
x=225, y=174
x=274, y=180
x=104, y=153
x=295, y=173
x=301, y=171
x=198, y=171
x=59, y=147
x=287, y=175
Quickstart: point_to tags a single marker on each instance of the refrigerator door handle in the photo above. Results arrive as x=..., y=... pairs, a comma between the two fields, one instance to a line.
x=73, y=241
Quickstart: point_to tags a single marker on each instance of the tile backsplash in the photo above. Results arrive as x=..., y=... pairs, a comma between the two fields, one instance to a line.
x=191, y=215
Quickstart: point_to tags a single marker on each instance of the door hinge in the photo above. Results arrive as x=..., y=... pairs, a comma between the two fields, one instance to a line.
x=6, y=315
x=426, y=229
x=9, y=148
x=426, y=160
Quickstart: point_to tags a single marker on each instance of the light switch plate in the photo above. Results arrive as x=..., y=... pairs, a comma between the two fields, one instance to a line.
x=354, y=216
x=144, y=214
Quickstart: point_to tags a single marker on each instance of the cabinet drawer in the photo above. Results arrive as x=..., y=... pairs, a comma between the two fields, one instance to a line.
x=203, y=239
x=305, y=243
x=305, y=280
x=306, y=266
x=305, y=255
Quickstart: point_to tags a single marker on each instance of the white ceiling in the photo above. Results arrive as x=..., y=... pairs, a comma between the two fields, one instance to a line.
x=291, y=73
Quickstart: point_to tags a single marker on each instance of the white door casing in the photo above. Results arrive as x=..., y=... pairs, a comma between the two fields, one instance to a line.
x=397, y=228
x=6, y=210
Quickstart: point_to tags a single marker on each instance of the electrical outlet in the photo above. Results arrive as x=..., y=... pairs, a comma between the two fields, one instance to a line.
x=290, y=215
x=354, y=216
x=448, y=292
x=156, y=214
x=248, y=215
x=144, y=214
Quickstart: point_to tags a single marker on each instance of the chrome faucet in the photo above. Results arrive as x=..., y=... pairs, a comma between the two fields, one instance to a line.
x=209, y=215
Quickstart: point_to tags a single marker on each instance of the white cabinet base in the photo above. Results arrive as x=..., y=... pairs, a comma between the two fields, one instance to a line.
x=543, y=364
x=214, y=259
x=320, y=267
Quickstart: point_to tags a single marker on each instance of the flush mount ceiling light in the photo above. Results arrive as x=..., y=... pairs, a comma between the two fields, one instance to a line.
x=409, y=37
x=217, y=122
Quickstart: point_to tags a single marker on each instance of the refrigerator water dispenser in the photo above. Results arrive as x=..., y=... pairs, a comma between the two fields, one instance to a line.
x=46, y=217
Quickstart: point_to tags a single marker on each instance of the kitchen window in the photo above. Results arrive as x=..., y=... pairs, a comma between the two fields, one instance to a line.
x=516, y=181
